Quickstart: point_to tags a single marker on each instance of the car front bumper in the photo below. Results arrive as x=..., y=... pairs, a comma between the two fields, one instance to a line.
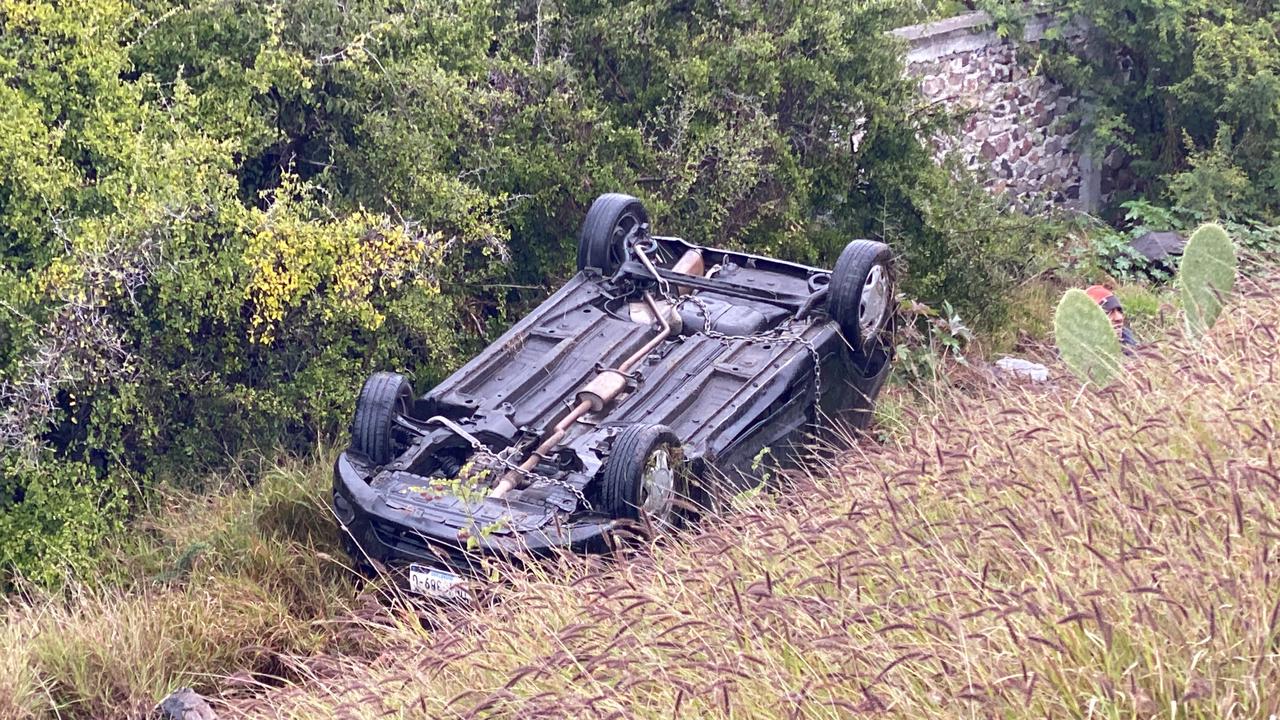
x=374, y=532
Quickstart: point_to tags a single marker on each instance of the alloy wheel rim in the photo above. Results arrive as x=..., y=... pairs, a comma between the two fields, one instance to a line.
x=657, y=485
x=874, y=302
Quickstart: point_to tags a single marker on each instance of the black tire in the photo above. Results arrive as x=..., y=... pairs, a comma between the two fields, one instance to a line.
x=610, y=218
x=384, y=396
x=861, y=299
x=622, y=481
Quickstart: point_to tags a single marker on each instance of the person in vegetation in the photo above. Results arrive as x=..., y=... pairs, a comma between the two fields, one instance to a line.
x=1110, y=304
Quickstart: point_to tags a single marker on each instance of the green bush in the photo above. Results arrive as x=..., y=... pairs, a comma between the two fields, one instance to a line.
x=217, y=217
x=1190, y=89
x=159, y=322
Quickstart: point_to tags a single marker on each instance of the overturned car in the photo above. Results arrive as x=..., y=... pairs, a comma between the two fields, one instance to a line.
x=644, y=389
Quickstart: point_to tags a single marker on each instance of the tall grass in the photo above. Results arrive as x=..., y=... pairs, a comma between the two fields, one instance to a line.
x=1007, y=551
x=209, y=588
x=1018, y=551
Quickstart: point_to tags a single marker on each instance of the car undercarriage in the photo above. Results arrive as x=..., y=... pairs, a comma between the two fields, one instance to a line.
x=640, y=393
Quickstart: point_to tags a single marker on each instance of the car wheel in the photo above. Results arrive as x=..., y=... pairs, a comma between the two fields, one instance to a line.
x=384, y=396
x=611, y=217
x=645, y=477
x=862, y=294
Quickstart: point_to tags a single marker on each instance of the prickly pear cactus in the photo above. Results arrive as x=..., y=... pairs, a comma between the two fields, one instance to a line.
x=1086, y=340
x=1205, y=279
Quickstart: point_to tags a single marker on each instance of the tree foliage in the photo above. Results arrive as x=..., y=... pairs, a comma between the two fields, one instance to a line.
x=1190, y=89
x=217, y=216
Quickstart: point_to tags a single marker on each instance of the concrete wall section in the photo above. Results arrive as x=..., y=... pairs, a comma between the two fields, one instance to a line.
x=1018, y=129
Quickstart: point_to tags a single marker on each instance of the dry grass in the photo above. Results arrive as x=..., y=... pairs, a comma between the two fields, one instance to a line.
x=1020, y=552
x=1009, y=551
x=211, y=587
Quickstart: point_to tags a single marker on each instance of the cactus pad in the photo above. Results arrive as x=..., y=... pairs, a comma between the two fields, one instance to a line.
x=1206, y=277
x=1086, y=340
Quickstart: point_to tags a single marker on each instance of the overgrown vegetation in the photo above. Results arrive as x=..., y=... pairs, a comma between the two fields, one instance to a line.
x=208, y=588
x=217, y=217
x=1058, y=554
x=1051, y=552
x=1185, y=92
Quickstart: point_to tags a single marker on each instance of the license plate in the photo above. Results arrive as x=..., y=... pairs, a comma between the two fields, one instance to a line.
x=437, y=583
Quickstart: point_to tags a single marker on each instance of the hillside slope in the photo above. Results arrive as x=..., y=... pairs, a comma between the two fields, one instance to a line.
x=1019, y=551
x=1012, y=551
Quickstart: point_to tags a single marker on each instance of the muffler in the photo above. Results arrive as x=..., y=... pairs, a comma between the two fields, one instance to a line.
x=602, y=389
x=605, y=387
x=604, y=393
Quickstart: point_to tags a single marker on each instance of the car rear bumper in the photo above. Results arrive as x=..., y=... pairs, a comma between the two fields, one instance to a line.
x=373, y=531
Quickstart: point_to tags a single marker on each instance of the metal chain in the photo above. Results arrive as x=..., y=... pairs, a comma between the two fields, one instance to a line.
x=665, y=293
x=664, y=289
x=797, y=339
x=532, y=476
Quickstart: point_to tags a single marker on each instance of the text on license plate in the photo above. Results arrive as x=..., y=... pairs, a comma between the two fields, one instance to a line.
x=437, y=583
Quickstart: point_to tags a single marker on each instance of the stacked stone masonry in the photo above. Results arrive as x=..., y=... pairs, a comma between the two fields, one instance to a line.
x=1016, y=128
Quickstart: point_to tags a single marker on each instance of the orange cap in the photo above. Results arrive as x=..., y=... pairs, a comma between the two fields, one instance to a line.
x=1103, y=297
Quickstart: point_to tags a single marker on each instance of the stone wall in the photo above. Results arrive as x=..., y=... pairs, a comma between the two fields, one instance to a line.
x=1017, y=128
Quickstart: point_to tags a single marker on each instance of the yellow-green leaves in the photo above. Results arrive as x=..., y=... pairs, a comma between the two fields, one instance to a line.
x=338, y=266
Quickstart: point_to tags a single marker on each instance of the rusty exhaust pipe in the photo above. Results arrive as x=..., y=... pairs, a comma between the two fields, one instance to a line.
x=593, y=397
x=690, y=263
x=602, y=389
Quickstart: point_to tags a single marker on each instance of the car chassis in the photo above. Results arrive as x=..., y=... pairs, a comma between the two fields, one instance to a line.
x=645, y=388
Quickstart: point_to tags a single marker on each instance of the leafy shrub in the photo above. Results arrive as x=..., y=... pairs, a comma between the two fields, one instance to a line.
x=1255, y=237
x=1110, y=253
x=967, y=247
x=929, y=341
x=217, y=217
x=1098, y=250
x=1212, y=187
x=158, y=322
x=1188, y=89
